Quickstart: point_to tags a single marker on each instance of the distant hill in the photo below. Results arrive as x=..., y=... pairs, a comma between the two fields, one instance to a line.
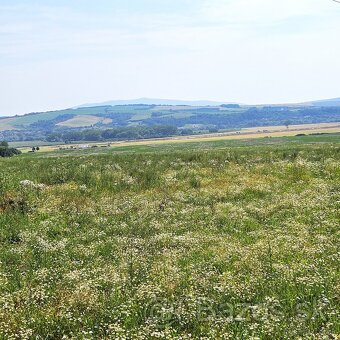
x=154, y=101
x=327, y=102
x=157, y=101
x=185, y=116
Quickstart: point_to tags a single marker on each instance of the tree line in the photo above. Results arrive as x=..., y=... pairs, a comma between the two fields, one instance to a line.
x=123, y=133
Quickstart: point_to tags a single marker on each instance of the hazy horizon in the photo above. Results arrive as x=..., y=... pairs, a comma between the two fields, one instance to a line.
x=59, y=54
x=164, y=99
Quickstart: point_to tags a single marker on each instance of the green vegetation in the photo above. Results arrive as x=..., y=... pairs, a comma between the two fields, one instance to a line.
x=180, y=145
x=138, y=132
x=222, y=241
x=6, y=151
x=187, y=119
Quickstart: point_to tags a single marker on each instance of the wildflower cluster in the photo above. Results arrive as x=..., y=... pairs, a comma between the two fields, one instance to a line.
x=230, y=243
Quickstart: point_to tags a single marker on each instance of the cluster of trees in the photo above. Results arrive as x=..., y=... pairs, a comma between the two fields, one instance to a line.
x=23, y=135
x=231, y=106
x=124, y=133
x=6, y=151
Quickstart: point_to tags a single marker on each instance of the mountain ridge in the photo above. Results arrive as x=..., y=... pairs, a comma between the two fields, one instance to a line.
x=174, y=102
x=154, y=101
x=327, y=102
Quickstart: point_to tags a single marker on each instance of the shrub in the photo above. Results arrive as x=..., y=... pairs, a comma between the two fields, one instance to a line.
x=8, y=152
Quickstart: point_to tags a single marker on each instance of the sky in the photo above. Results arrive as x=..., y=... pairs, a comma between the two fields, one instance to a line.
x=63, y=53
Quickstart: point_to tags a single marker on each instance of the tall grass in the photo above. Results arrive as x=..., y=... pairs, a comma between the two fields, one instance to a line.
x=230, y=243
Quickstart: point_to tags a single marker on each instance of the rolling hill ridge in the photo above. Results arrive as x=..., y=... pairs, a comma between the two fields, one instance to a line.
x=187, y=119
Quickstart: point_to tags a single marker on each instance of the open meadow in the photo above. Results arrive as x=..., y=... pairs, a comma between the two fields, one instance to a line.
x=243, y=134
x=210, y=239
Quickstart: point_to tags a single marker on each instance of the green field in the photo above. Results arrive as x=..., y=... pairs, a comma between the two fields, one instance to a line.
x=196, y=143
x=227, y=239
x=26, y=120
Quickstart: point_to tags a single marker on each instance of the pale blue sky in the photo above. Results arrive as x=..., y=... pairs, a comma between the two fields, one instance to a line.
x=57, y=54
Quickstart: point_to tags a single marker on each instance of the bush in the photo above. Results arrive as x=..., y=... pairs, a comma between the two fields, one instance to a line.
x=6, y=151
x=4, y=144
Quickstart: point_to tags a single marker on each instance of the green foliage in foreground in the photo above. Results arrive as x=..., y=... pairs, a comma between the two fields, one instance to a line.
x=230, y=243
